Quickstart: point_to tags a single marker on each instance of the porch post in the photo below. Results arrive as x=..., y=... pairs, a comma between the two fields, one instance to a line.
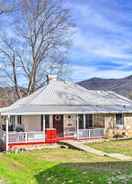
x=7, y=136
x=44, y=126
x=50, y=121
x=15, y=121
x=77, y=127
x=84, y=121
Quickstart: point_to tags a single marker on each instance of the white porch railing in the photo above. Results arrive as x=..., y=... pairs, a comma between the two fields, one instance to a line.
x=90, y=133
x=22, y=137
x=36, y=137
x=25, y=137
x=2, y=135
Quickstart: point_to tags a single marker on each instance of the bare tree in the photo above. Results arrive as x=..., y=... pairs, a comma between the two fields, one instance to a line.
x=5, y=8
x=42, y=37
x=10, y=64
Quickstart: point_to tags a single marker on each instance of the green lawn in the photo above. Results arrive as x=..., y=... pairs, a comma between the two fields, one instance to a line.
x=122, y=146
x=62, y=166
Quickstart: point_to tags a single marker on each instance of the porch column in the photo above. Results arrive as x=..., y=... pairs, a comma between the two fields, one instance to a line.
x=15, y=121
x=50, y=121
x=84, y=121
x=44, y=126
x=77, y=127
x=7, y=137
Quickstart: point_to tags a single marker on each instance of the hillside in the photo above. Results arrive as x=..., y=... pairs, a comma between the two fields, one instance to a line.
x=8, y=96
x=122, y=86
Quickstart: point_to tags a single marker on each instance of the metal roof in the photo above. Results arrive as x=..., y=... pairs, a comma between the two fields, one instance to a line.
x=65, y=97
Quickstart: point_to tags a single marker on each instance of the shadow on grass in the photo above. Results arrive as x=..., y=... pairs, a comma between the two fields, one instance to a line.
x=87, y=173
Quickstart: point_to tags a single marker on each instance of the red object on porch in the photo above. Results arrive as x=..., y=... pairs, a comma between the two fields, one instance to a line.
x=51, y=136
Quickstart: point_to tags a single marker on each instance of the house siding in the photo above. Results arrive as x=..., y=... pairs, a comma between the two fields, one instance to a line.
x=32, y=123
x=69, y=123
x=128, y=121
x=98, y=120
x=110, y=121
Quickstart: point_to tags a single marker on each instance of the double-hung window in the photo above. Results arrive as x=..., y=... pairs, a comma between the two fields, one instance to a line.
x=119, y=120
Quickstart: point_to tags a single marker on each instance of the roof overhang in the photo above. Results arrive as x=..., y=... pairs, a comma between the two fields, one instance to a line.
x=63, y=109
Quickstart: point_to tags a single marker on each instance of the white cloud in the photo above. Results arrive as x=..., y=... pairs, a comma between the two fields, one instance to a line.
x=81, y=73
x=103, y=33
x=100, y=15
x=101, y=47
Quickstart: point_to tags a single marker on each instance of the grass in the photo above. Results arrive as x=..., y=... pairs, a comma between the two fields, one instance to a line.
x=122, y=146
x=62, y=166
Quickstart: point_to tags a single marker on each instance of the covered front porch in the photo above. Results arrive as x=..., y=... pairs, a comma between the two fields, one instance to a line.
x=50, y=128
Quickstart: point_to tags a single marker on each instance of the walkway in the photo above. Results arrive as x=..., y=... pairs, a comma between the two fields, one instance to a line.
x=88, y=149
x=119, y=156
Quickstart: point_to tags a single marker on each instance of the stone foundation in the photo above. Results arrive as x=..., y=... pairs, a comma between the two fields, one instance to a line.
x=113, y=133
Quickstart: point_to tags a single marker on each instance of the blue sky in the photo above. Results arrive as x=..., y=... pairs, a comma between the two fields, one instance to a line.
x=102, y=44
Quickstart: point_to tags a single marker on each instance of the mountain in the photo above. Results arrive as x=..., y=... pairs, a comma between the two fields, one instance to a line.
x=8, y=95
x=122, y=86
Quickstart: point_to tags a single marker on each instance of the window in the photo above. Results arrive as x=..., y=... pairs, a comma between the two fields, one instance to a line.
x=42, y=123
x=119, y=119
x=80, y=119
x=19, y=120
x=89, y=121
x=69, y=116
x=46, y=121
x=12, y=121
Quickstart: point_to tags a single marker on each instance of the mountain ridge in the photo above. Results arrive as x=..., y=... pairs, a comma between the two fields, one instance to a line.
x=122, y=86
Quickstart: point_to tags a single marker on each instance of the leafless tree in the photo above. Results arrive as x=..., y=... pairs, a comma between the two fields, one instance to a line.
x=9, y=67
x=5, y=7
x=43, y=31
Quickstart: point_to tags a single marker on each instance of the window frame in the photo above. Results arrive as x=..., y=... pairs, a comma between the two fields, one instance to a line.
x=120, y=120
x=47, y=121
x=19, y=120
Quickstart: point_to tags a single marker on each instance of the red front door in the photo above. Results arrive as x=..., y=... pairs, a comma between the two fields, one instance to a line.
x=58, y=124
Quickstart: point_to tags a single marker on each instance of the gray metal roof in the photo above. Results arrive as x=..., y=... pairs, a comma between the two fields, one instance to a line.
x=65, y=97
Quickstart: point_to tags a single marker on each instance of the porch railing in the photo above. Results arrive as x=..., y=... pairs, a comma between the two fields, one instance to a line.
x=25, y=137
x=2, y=136
x=36, y=137
x=90, y=133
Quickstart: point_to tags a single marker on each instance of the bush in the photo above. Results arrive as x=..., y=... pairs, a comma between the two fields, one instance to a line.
x=19, y=129
x=117, y=135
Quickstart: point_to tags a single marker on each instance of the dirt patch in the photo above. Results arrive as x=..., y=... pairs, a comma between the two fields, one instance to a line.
x=2, y=182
